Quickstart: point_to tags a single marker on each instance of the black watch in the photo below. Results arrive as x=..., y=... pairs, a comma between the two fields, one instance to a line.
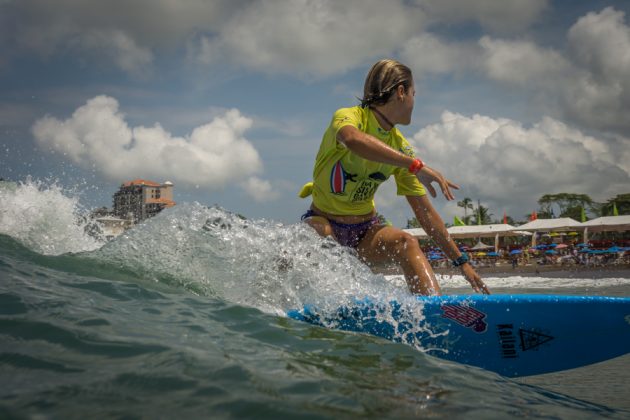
x=461, y=260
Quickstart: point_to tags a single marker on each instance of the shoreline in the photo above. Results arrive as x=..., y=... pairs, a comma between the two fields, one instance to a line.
x=532, y=270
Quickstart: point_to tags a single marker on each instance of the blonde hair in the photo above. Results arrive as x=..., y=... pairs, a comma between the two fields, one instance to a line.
x=382, y=81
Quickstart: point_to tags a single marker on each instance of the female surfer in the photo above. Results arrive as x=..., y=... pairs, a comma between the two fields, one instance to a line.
x=360, y=150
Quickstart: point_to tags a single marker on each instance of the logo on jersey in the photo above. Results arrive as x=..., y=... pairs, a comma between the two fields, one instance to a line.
x=465, y=316
x=338, y=179
x=408, y=150
x=378, y=176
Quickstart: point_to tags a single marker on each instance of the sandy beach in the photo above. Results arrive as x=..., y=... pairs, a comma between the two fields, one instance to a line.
x=533, y=270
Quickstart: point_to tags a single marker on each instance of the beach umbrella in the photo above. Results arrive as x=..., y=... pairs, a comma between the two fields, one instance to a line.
x=552, y=245
x=515, y=251
x=492, y=254
x=562, y=246
x=614, y=249
x=582, y=245
x=551, y=251
x=480, y=254
x=584, y=250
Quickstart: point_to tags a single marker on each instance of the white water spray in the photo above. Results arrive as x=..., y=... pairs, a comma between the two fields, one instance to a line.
x=44, y=218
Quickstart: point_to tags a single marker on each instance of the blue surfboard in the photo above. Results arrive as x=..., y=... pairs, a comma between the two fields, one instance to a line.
x=513, y=335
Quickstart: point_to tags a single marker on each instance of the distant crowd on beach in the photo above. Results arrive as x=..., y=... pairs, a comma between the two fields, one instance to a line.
x=595, y=254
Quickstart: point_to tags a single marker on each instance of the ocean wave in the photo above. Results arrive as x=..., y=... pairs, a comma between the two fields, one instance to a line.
x=45, y=218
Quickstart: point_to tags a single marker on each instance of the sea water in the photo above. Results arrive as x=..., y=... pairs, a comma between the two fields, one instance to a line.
x=185, y=316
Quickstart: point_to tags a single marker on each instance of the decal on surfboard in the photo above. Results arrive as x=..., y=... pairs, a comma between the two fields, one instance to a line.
x=465, y=316
x=531, y=340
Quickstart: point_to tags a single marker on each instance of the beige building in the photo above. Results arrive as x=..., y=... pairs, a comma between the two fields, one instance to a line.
x=140, y=199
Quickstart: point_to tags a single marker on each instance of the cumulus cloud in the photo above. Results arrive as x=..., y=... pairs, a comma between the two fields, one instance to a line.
x=522, y=62
x=599, y=44
x=428, y=54
x=502, y=16
x=588, y=83
x=129, y=33
x=120, y=48
x=304, y=37
x=159, y=24
x=213, y=155
x=510, y=166
x=260, y=190
x=310, y=37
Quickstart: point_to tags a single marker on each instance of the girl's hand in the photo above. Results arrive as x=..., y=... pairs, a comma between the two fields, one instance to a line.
x=428, y=175
x=474, y=279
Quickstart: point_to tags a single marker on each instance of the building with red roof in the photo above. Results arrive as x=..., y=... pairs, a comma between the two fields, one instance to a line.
x=140, y=199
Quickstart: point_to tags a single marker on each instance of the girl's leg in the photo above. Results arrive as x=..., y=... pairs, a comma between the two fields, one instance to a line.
x=386, y=243
x=321, y=226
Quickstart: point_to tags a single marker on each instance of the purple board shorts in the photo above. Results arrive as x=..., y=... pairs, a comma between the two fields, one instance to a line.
x=347, y=234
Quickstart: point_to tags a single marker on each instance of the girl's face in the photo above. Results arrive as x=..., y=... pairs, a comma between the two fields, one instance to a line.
x=404, y=102
x=407, y=104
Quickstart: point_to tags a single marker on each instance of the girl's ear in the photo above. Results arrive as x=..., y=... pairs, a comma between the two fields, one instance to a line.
x=400, y=92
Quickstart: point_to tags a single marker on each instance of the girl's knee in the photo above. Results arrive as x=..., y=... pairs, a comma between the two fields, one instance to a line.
x=408, y=241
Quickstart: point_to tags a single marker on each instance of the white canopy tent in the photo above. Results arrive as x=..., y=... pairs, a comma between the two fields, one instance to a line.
x=606, y=224
x=476, y=231
x=481, y=246
x=562, y=224
x=417, y=232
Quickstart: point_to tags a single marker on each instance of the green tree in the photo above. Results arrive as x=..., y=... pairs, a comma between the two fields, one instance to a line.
x=574, y=212
x=482, y=214
x=466, y=203
x=383, y=220
x=569, y=204
x=510, y=220
x=622, y=201
x=413, y=223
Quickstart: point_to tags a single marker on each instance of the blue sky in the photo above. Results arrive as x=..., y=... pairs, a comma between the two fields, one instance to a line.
x=229, y=99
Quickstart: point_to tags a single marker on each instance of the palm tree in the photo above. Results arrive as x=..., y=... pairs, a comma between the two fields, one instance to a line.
x=466, y=203
x=484, y=217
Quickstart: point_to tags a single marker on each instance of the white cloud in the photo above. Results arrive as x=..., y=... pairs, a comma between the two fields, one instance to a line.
x=522, y=62
x=429, y=54
x=121, y=48
x=97, y=135
x=128, y=32
x=600, y=42
x=507, y=165
x=156, y=23
x=260, y=190
x=501, y=16
x=310, y=37
x=588, y=83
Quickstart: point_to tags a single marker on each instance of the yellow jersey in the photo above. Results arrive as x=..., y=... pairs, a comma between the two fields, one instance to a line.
x=345, y=183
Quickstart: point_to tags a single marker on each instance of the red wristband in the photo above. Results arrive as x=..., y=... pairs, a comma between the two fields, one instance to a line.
x=415, y=166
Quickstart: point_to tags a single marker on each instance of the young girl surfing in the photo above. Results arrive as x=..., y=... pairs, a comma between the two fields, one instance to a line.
x=360, y=150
